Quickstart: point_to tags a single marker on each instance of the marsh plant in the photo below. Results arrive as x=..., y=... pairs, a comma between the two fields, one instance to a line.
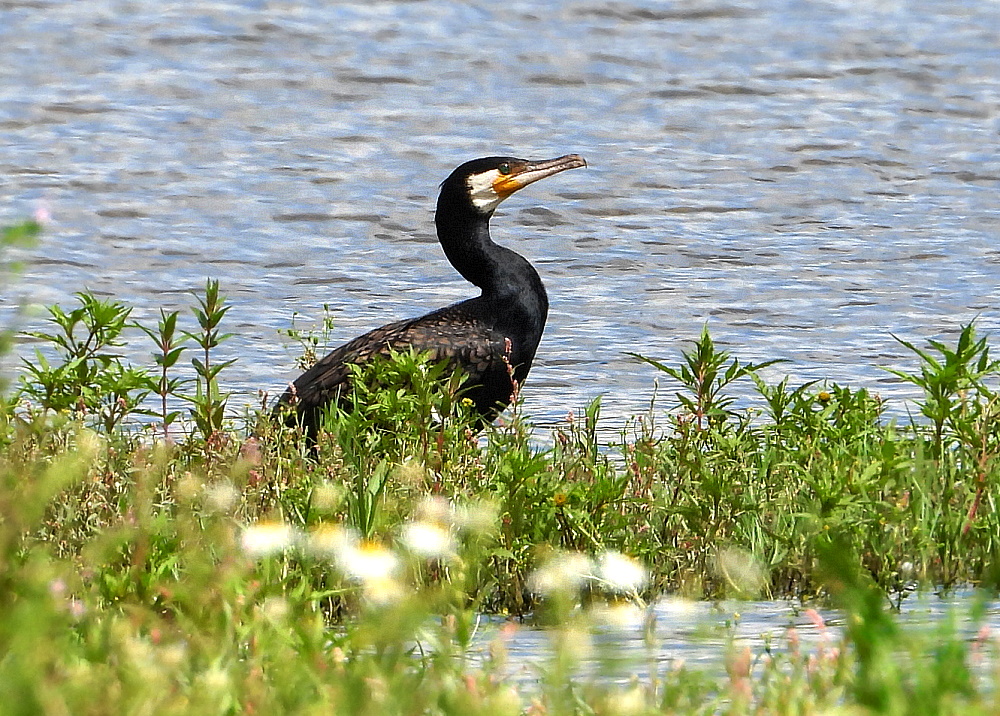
x=697, y=480
x=208, y=404
x=169, y=347
x=158, y=561
x=87, y=376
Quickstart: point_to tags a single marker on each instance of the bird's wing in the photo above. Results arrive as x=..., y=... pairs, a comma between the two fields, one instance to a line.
x=448, y=334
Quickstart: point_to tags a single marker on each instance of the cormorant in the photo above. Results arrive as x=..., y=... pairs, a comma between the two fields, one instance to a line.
x=492, y=336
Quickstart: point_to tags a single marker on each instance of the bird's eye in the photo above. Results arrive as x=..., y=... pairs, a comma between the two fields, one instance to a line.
x=504, y=168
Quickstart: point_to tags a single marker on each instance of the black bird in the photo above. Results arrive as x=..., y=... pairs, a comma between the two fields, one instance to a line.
x=490, y=337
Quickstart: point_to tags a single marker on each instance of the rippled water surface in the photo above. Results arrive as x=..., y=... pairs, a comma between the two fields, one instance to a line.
x=804, y=177
x=697, y=635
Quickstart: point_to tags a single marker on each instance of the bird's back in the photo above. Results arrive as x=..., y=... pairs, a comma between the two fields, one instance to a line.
x=458, y=334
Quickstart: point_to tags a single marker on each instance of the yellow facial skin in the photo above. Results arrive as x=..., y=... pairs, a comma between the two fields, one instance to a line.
x=507, y=183
x=489, y=188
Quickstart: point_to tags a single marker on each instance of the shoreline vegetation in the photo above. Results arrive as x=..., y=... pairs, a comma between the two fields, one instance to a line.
x=158, y=555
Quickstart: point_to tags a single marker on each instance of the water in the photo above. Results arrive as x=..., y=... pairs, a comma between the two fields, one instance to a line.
x=804, y=177
x=674, y=633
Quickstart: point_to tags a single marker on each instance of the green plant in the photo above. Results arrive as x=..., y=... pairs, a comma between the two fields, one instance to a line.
x=89, y=378
x=169, y=349
x=705, y=374
x=400, y=408
x=24, y=234
x=963, y=409
x=208, y=404
x=137, y=578
x=951, y=380
x=312, y=341
x=787, y=407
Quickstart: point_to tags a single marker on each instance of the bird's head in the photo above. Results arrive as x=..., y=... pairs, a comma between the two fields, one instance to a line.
x=488, y=181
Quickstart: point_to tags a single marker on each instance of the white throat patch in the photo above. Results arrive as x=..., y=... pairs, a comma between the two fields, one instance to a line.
x=484, y=196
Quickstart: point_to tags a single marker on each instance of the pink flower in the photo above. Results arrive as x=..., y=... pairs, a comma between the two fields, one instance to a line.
x=42, y=214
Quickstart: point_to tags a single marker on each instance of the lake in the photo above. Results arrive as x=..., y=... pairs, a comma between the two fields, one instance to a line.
x=806, y=178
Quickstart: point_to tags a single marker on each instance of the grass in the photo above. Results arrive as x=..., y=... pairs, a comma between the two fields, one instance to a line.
x=155, y=559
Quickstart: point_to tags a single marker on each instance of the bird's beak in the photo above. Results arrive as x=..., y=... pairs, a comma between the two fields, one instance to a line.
x=530, y=172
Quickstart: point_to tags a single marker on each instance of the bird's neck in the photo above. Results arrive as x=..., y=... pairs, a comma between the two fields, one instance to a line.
x=505, y=277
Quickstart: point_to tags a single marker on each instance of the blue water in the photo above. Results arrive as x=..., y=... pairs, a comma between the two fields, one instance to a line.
x=672, y=634
x=807, y=178
x=804, y=177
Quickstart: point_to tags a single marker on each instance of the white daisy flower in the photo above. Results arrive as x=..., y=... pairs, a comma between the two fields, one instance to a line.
x=267, y=538
x=429, y=540
x=564, y=572
x=620, y=573
x=368, y=562
x=332, y=541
